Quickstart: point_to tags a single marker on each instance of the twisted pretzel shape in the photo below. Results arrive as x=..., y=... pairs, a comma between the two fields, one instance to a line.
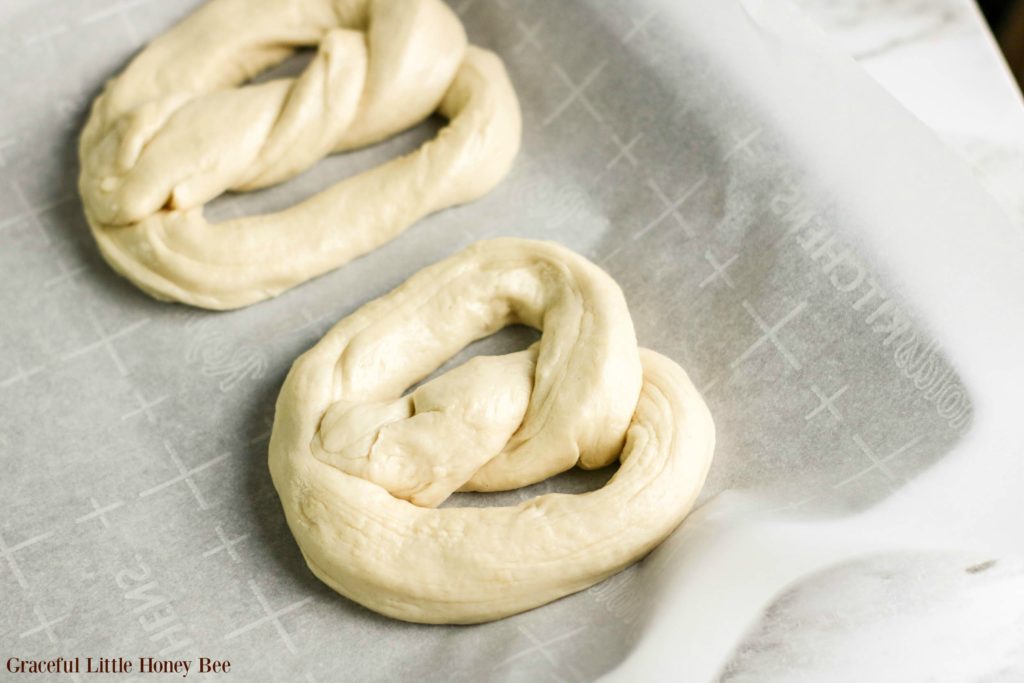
x=359, y=466
x=173, y=132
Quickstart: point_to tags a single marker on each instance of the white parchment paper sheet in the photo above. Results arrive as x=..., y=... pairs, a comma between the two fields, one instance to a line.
x=779, y=226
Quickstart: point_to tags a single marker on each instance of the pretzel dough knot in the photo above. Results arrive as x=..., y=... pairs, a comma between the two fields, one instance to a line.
x=178, y=128
x=361, y=466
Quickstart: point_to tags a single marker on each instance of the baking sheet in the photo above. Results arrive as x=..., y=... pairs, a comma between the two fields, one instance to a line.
x=138, y=516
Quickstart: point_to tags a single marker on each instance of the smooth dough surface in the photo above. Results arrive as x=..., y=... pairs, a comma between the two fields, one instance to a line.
x=360, y=465
x=177, y=128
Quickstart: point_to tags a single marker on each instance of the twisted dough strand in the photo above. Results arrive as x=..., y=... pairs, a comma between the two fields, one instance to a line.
x=174, y=131
x=359, y=466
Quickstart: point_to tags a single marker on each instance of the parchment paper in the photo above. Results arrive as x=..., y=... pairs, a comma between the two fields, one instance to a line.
x=676, y=144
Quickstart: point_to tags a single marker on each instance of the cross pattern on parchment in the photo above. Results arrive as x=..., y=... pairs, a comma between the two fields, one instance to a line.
x=145, y=407
x=8, y=554
x=45, y=36
x=528, y=36
x=99, y=513
x=671, y=207
x=67, y=273
x=770, y=334
x=541, y=647
x=743, y=145
x=45, y=625
x=878, y=463
x=34, y=211
x=112, y=10
x=577, y=91
x=185, y=475
x=625, y=151
x=21, y=374
x=106, y=342
x=268, y=421
x=710, y=384
x=718, y=270
x=826, y=402
x=638, y=27
x=795, y=505
x=122, y=11
x=272, y=617
x=313, y=322
x=226, y=544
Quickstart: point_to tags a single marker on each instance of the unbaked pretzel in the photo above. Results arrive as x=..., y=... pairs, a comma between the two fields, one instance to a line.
x=175, y=130
x=359, y=465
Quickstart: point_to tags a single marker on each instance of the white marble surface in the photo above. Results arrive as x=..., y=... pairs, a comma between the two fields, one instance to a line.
x=913, y=617
x=941, y=617
x=939, y=59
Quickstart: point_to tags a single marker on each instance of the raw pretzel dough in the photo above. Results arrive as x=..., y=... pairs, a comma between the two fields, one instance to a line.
x=173, y=132
x=359, y=466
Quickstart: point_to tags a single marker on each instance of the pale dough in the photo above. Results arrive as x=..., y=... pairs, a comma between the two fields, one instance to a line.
x=174, y=131
x=359, y=466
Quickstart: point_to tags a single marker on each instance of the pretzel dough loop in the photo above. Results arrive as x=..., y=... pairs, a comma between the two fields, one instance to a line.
x=361, y=466
x=177, y=129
